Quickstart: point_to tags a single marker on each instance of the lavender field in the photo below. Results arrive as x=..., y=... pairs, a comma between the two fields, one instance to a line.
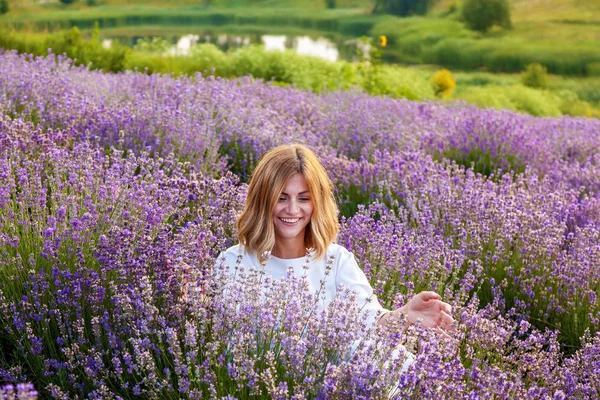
x=118, y=191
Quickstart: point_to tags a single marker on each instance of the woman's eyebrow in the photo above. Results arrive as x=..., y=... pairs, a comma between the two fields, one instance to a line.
x=305, y=192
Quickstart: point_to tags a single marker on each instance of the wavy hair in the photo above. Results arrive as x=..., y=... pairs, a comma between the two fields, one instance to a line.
x=256, y=231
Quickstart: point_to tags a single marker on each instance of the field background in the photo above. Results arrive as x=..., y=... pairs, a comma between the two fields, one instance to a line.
x=123, y=169
x=562, y=35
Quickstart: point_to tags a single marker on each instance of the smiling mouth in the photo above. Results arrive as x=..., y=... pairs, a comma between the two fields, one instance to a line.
x=290, y=220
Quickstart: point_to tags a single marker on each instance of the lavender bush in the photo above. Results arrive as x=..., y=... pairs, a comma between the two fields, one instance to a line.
x=22, y=391
x=117, y=194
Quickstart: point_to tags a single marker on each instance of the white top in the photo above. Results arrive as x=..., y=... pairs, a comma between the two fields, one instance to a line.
x=344, y=272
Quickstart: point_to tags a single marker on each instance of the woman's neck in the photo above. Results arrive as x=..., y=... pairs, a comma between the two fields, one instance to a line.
x=287, y=249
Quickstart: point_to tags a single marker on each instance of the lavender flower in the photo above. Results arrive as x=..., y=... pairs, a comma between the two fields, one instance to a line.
x=117, y=192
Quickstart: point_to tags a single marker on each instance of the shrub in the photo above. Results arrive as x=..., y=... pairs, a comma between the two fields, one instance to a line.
x=251, y=60
x=443, y=83
x=534, y=101
x=571, y=104
x=535, y=76
x=151, y=63
x=516, y=97
x=404, y=8
x=71, y=42
x=395, y=82
x=481, y=15
x=479, y=79
x=3, y=6
x=152, y=45
x=489, y=96
x=593, y=69
x=210, y=60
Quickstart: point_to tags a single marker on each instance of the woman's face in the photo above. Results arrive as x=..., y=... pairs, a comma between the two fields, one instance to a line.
x=293, y=209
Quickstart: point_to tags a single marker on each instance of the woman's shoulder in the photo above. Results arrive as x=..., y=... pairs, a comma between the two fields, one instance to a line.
x=338, y=251
x=233, y=251
x=231, y=254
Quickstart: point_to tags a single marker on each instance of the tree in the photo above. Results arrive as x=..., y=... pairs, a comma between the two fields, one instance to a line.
x=330, y=3
x=67, y=1
x=3, y=6
x=481, y=15
x=403, y=8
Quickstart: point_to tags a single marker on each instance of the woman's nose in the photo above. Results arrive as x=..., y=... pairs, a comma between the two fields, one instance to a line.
x=293, y=207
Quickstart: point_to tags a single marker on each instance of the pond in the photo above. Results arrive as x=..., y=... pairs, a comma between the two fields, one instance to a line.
x=326, y=48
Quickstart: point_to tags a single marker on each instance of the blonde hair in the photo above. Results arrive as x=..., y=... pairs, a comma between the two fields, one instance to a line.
x=256, y=231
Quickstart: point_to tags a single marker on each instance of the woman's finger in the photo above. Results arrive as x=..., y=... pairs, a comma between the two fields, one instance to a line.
x=447, y=308
x=443, y=333
x=428, y=295
x=446, y=321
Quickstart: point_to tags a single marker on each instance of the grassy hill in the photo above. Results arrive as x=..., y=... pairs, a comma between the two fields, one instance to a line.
x=546, y=21
x=563, y=35
x=542, y=10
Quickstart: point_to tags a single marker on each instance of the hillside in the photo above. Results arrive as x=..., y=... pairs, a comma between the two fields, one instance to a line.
x=562, y=35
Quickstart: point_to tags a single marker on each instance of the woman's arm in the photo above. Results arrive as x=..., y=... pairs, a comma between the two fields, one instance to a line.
x=349, y=274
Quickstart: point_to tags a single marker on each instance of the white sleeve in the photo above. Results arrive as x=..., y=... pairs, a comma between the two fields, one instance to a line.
x=352, y=277
x=232, y=258
x=227, y=260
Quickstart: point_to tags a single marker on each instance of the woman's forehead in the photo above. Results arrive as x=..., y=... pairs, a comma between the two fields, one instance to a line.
x=296, y=184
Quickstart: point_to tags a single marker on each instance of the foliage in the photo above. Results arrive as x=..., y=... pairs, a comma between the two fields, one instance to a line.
x=71, y=42
x=442, y=41
x=67, y=1
x=443, y=83
x=404, y=8
x=227, y=18
x=4, y=7
x=152, y=44
x=535, y=76
x=489, y=96
x=392, y=82
x=481, y=15
x=514, y=97
x=570, y=104
x=450, y=43
x=593, y=69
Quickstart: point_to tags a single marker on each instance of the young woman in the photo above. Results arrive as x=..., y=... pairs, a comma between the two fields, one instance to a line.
x=291, y=212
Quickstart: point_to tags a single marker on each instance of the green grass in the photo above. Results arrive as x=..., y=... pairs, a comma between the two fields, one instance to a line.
x=582, y=11
x=447, y=42
x=19, y=7
x=561, y=34
x=331, y=21
x=496, y=90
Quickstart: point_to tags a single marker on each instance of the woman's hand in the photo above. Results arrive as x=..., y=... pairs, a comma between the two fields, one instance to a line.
x=428, y=310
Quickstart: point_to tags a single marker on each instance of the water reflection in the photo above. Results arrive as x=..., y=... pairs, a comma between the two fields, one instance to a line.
x=184, y=45
x=320, y=47
x=305, y=45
